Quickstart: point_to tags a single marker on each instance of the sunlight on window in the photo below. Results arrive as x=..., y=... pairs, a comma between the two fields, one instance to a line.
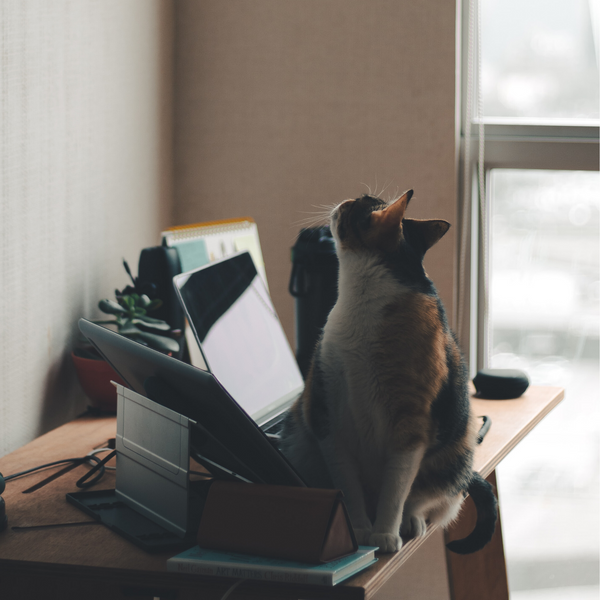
x=540, y=58
x=545, y=275
x=544, y=320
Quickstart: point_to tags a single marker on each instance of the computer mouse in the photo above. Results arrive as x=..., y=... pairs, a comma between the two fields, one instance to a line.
x=500, y=384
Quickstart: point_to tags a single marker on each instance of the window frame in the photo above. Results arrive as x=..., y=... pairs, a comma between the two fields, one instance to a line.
x=508, y=143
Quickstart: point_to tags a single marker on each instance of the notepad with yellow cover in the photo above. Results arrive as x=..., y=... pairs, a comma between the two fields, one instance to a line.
x=200, y=243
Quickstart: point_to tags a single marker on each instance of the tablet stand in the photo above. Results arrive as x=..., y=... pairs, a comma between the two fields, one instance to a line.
x=152, y=504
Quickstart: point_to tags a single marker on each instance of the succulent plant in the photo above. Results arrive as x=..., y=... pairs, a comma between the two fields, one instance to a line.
x=130, y=312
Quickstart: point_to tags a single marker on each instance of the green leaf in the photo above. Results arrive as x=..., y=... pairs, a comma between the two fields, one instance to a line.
x=127, y=328
x=159, y=342
x=110, y=307
x=145, y=301
x=126, y=302
x=156, y=303
x=154, y=323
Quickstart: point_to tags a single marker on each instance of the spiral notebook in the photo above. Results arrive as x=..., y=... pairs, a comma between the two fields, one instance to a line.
x=201, y=243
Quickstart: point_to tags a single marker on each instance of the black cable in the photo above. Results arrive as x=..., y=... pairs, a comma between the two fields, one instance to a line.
x=83, y=481
x=52, y=464
x=487, y=423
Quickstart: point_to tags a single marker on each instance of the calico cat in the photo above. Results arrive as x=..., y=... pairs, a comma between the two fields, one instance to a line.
x=385, y=415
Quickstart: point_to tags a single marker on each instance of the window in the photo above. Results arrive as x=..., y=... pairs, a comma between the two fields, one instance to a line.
x=530, y=288
x=539, y=59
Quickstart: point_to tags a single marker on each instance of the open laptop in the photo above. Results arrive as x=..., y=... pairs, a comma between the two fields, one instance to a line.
x=240, y=336
x=225, y=439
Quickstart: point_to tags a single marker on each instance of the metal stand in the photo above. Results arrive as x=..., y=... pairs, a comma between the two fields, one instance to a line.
x=152, y=505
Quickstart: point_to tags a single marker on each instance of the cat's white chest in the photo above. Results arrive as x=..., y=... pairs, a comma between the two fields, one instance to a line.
x=365, y=288
x=354, y=326
x=350, y=346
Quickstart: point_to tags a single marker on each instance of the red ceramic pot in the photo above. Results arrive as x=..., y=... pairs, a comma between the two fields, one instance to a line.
x=95, y=377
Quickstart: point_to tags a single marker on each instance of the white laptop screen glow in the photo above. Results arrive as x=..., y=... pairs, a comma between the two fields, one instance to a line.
x=240, y=335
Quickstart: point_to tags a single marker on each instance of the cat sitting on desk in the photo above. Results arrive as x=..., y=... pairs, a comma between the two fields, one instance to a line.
x=385, y=415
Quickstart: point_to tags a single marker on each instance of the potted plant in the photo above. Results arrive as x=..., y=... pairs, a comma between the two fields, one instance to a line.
x=129, y=318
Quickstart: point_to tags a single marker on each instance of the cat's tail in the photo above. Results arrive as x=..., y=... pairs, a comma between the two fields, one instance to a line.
x=486, y=504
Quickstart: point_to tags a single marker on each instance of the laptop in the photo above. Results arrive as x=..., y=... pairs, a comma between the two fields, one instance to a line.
x=240, y=337
x=225, y=439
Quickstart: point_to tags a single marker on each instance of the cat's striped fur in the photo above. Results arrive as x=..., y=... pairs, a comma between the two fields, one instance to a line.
x=385, y=415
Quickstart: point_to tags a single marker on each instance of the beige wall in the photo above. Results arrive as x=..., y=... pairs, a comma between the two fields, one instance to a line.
x=85, y=165
x=284, y=105
x=279, y=105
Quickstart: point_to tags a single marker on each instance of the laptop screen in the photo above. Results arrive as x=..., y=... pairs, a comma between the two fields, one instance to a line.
x=240, y=336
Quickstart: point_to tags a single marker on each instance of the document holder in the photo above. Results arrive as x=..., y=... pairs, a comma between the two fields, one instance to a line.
x=291, y=523
x=153, y=504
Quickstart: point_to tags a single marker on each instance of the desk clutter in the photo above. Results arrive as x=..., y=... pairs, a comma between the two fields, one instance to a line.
x=157, y=507
x=270, y=532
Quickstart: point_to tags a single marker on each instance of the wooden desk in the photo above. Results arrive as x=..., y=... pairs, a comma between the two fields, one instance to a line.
x=89, y=561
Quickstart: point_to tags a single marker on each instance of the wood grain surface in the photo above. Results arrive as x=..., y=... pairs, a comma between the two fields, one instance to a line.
x=90, y=551
x=481, y=574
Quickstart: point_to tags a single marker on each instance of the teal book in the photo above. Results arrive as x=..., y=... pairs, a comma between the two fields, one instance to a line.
x=199, y=561
x=192, y=254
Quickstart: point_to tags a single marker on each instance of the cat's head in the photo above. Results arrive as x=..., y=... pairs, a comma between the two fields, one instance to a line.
x=370, y=224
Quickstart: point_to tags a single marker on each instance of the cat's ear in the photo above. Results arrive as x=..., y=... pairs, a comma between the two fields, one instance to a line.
x=390, y=218
x=429, y=231
x=405, y=198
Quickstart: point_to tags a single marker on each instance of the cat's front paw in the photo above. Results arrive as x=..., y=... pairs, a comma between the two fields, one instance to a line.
x=362, y=536
x=387, y=542
x=413, y=526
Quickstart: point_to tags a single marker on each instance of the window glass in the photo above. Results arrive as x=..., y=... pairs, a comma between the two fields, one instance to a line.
x=544, y=320
x=540, y=58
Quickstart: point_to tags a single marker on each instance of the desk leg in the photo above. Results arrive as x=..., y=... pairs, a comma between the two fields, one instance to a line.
x=481, y=575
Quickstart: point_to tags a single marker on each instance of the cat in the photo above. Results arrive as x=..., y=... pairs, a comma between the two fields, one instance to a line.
x=385, y=414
